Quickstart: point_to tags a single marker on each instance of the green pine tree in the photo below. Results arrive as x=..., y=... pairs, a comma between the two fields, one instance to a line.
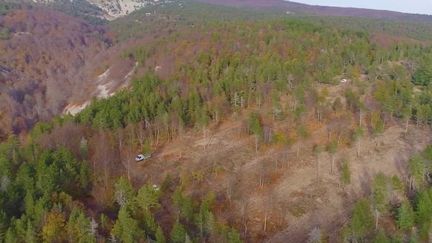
x=362, y=220
x=126, y=228
x=381, y=237
x=405, y=216
x=178, y=233
x=160, y=237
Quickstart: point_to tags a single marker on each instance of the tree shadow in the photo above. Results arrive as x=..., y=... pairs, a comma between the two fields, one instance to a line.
x=365, y=182
x=401, y=163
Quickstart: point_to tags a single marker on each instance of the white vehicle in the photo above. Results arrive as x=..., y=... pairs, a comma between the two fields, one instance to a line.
x=142, y=157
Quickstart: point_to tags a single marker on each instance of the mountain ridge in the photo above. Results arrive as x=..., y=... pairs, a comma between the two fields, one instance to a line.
x=113, y=9
x=103, y=9
x=320, y=10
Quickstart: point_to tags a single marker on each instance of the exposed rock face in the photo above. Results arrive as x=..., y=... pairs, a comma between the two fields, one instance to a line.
x=118, y=8
x=109, y=9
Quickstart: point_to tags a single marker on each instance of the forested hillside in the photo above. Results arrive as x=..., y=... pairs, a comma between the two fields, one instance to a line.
x=254, y=128
x=49, y=58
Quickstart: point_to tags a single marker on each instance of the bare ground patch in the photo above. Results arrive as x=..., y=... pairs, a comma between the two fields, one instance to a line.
x=274, y=195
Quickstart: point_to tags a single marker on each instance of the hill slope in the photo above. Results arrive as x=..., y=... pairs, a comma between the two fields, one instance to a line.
x=299, y=8
x=47, y=58
x=112, y=9
x=106, y=9
x=256, y=126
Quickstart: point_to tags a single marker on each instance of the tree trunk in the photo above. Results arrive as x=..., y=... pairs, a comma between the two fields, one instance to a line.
x=358, y=148
x=339, y=138
x=256, y=144
x=294, y=106
x=261, y=183
x=128, y=169
x=376, y=218
x=229, y=194
x=411, y=183
x=406, y=125
x=332, y=163
x=157, y=136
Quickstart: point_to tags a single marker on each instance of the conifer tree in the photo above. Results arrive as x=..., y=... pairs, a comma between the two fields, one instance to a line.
x=124, y=193
x=405, y=216
x=417, y=171
x=126, y=228
x=178, y=233
x=379, y=196
x=332, y=147
x=160, y=237
x=345, y=176
x=381, y=237
x=362, y=220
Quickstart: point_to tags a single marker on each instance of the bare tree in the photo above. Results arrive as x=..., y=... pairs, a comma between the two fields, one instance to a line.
x=357, y=135
x=256, y=143
x=268, y=202
x=105, y=155
x=263, y=172
x=317, y=149
x=332, y=149
x=303, y=133
x=231, y=186
x=244, y=212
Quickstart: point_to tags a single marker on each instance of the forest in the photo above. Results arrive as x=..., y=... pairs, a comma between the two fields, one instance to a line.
x=44, y=194
x=300, y=89
x=405, y=205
